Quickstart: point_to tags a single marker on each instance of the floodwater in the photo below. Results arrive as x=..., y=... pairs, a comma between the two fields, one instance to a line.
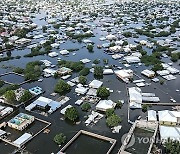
x=43, y=143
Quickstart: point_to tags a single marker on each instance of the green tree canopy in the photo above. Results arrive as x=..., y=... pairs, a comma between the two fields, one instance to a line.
x=60, y=138
x=113, y=120
x=72, y=114
x=10, y=96
x=85, y=106
x=109, y=112
x=82, y=80
x=26, y=96
x=103, y=92
x=98, y=71
x=62, y=87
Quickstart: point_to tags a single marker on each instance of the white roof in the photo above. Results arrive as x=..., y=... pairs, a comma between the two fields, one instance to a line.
x=169, y=77
x=135, y=97
x=124, y=73
x=147, y=72
x=49, y=71
x=108, y=71
x=95, y=84
x=169, y=132
x=64, y=109
x=163, y=72
x=168, y=116
x=152, y=115
x=103, y=105
x=64, y=52
x=2, y=132
x=92, y=92
x=81, y=90
x=79, y=102
x=132, y=59
x=22, y=139
x=85, y=60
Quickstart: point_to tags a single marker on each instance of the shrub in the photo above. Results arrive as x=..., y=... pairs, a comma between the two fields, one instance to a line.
x=113, y=120
x=62, y=87
x=85, y=107
x=60, y=139
x=72, y=114
x=82, y=80
x=103, y=92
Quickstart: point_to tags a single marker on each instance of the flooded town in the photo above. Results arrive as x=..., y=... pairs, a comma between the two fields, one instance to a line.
x=89, y=76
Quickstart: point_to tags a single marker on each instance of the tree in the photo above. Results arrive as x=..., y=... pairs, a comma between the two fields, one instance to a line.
x=109, y=112
x=8, y=53
x=85, y=107
x=72, y=114
x=62, y=87
x=106, y=61
x=172, y=146
x=60, y=138
x=98, y=71
x=119, y=104
x=19, y=70
x=10, y=96
x=161, y=82
x=174, y=57
x=96, y=61
x=144, y=107
x=90, y=47
x=82, y=80
x=26, y=96
x=157, y=67
x=103, y=92
x=85, y=71
x=1, y=83
x=113, y=120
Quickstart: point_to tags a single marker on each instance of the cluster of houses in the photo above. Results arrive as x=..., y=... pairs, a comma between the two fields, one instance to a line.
x=168, y=123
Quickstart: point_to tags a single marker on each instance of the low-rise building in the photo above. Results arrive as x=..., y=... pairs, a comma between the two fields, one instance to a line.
x=167, y=117
x=148, y=73
x=124, y=75
x=21, y=121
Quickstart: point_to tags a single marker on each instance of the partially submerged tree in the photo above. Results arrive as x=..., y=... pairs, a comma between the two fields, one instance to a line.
x=72, y=114
x=113, y=120
x=62, y=87
x=103, y=92
x=60, y=138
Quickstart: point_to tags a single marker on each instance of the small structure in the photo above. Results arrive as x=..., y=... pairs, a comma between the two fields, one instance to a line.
x=135, y=97
x=64, y=52
x=22, y=139
x=49, y=71
x=167, y=117
x=36, y=90
x=94, y=117
x=169, y=132
x=124, y=75
x=21, y=121
x=53, y=54
x=148, y=73
x=108, y=71
x=5, y=111
x=81, y=90
x=44, y=103
x=152, y=115
x=132, y=59
x=64, y=71
x=64, y=109
x=95, y=84
x=103, y=105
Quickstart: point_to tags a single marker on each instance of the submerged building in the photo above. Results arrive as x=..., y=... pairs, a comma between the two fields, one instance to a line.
x=21, y=121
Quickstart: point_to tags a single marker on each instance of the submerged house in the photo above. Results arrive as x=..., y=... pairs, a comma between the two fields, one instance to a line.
x=124, y=75
x=21, y=121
